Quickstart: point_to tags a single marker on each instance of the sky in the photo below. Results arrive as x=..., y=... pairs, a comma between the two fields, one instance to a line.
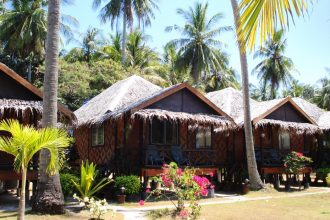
x=308, y=41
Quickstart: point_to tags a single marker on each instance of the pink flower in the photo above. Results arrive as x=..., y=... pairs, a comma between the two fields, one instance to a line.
x=285, y=165
x=179, y=172
x=204, y=192
x=141, y=202
x=211, y=174
x=212, y=187
x=299, y=154
x=184, y=213
x=148, y=190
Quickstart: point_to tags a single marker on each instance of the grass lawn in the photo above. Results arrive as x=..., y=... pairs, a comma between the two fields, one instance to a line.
x=84, y=215
x=304, y=207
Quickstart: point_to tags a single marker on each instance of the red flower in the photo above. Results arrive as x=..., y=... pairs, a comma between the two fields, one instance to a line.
x=184, y=213
x=299, y=154
x=141, y=202
x=179, y=172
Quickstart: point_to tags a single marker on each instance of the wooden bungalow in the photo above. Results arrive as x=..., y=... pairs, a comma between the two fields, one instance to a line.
x=135, y=126
x=279, y=126
x=22, y=101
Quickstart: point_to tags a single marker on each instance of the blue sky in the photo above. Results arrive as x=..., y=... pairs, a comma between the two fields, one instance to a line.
x=308, y=41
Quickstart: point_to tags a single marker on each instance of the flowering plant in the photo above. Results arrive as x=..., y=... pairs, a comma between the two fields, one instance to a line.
x=294, y=162
x=97, y=208
x=186, y=186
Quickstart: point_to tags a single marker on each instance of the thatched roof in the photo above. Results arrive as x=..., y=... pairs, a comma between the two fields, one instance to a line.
x=115, y=98
x=230, y=101
x=20, y=106
x=324, y=121
x=294, y=127
x=218, y=122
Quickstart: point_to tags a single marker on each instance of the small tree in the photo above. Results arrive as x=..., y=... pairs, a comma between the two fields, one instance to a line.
x=24, y=142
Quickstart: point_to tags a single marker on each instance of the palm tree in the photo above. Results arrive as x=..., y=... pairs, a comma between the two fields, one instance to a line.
x=251, y=17
x=114, y=10
x=49, y=198
x=261, y=19
x=259, y=93
x=113, y=50
x=254, y=176
x=322, y=97
x=23, y=30
x=198, y=49
x=275, y=68
x=24, y=143
x=138, y=53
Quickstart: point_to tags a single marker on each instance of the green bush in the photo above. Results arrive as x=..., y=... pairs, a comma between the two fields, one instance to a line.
x=321, y=173
x=66, y=182
x=131, y=183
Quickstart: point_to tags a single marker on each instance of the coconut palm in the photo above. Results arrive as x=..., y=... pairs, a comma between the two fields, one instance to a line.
x=127, y=10
x=24, y=142
x=259, y=93
x=49, y=198
x=198, y=48
x=113, y=50
x=275, y=68
x=251, y=17
x=322, y=97
x=255, y=180
x=260, y=19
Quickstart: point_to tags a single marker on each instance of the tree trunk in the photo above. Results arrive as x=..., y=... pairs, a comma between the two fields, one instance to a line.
x=49, y=198
x=255, y=180
x=21, y=209
x=123, y=49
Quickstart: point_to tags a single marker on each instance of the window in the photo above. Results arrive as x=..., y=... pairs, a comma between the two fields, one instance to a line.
x=203, y=138
x=164, y=132
x=97, y=135
x=284, y=141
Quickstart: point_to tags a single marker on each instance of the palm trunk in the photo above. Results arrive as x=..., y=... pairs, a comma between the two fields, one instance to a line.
x=123, y=49
x=49, y=198
x=21, y=209
x=255, y=181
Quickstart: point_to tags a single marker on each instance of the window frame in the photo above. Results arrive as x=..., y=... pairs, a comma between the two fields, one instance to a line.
x=280, y=145
x=97, y=128
x=203, y=132
x=164, y=142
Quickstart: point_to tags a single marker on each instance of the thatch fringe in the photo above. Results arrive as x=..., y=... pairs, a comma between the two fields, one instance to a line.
x=20, y=107
x=298, y=128
x=194, y=120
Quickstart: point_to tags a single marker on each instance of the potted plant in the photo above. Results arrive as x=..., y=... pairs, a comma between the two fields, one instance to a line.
x=211, y=193
x=121, y=197
x=130, y=183
x=294, y=162
x=245, y=187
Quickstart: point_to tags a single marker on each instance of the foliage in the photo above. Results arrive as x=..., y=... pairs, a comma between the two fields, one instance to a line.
x=131, y=183
x=87, y=186
x=274, y=70
x=327, y=179
x=294, y=162
x=297, y=89
x=97, y=208
x=66, y=182
x=24, y=142
x=260, y=19
x=322, y=97
x=198, y=48
x=186, y=186
x=322, y=173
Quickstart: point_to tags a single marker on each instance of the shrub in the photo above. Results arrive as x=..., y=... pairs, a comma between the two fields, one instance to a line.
x=321, y=173
x=327, y=179
x=66, y=182
x=87, y=186
x=295, y=161
x=131, y=183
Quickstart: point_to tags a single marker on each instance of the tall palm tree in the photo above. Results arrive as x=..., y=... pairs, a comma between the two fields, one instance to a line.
x=127, y=10
x=254, y=176
x=259, y=93
x=112, y=50
x=322, y=97
x=252, y=17
x=275, y=68
x=198, y=48
x=24, y=143
x=260, y=19
x=49, y=197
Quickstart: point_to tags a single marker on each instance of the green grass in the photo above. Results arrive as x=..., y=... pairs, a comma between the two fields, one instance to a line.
x=303, y=207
